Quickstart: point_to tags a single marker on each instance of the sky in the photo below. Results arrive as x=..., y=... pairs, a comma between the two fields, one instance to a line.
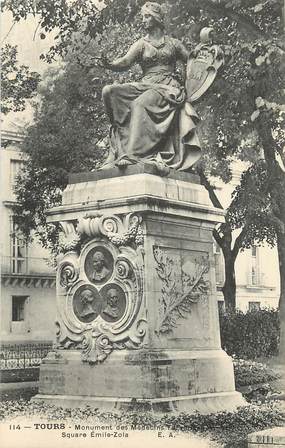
x=24, y=35
x=30, y=46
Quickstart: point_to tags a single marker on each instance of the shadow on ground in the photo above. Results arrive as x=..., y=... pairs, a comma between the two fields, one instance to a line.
x=17, y=394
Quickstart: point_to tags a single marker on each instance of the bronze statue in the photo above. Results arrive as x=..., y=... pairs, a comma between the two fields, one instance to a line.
x=150, y=119
x=153, y=120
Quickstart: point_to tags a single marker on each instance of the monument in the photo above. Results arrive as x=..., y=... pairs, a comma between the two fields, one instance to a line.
x=137, y=319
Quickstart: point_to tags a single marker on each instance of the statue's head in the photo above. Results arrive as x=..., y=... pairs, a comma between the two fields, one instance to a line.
x=153, y=14
x=98, y=261
x=112, y=297
x=87, y=296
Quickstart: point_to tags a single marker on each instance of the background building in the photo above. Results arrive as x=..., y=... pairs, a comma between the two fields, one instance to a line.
x=257, y=270
x=27, y=306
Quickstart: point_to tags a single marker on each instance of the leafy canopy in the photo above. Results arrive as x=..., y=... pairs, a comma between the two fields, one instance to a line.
x=18, y=83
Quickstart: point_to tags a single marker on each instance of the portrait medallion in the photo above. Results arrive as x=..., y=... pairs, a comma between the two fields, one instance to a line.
x=113, y=302
x=87, y=303
x=99, y=265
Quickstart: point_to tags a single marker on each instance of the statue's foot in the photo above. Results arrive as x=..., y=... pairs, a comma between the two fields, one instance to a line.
x=159, y=164
x=106, y=166
x=125, y=161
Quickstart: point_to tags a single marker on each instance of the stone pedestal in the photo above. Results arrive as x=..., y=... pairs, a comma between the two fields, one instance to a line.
x=137, y=322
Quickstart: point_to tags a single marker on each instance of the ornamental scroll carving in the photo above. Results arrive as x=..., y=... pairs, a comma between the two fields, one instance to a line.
x=178, y=292
x=119, y=231
x=100, y=286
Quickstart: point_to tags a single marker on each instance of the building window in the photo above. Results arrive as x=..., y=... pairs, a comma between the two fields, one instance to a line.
x=18, y=308
x=219, y=265
x=15, y=167
x=253, y=306
x=254, y=268
x=19, y=251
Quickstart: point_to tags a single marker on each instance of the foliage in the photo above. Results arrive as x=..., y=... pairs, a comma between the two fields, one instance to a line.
x=247, y=100
x=229, y=428
x=252, y=206
x=253, y=71
x=65, y=18
x=250, y=335
x=18, y=83
x=248, y=372
x=255, y=380
x=68, y=133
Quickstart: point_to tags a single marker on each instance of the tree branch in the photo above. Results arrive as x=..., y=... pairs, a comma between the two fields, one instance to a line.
x=10, y=29
x=238, y=242
x=210, y=188
x=218, y=238
x=242, y=20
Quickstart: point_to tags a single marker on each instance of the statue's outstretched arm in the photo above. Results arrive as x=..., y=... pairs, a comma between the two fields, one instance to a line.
x=126, y=61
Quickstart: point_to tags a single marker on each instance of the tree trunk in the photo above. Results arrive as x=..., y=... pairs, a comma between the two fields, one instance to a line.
x=278, y=197
x=229, y=288
x=224, y=240
x=281, y=256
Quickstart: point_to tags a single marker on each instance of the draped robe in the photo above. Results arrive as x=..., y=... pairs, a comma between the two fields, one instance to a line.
x=152, y=116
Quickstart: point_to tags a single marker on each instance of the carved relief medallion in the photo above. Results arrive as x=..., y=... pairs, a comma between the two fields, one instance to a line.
x=87, y=303
x=99, y=265
x=113, y=302
x=100, y=287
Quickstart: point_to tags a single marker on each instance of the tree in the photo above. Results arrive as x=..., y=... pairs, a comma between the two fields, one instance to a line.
x=18, y=83
x=262, y=212
x=69, y=130
x=250, y=93
x=234, y=111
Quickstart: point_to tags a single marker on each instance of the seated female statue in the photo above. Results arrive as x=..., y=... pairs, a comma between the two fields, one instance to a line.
x=151, y=119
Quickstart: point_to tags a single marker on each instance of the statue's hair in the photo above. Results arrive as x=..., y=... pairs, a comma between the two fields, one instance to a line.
x=100, y=254
x=156, y=11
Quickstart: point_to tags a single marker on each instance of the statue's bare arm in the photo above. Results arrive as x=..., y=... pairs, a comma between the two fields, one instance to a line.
x=125, y=62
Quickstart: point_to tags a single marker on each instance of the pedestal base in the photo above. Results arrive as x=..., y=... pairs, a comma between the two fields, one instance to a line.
x=202, y=403
x=138, y=324
x=159, y=381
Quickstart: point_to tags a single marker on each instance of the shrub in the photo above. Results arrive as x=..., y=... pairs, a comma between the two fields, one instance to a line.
x=248, y=418
x=249, y=373
x=250, y=335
